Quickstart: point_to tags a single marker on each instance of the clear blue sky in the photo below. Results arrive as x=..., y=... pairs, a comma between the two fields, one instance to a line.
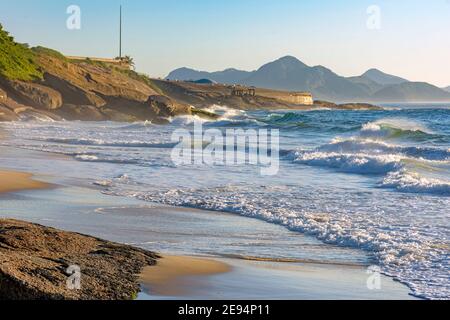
x=413, y=42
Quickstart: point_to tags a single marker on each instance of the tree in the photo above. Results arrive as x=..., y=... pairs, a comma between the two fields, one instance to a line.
x=129, y=60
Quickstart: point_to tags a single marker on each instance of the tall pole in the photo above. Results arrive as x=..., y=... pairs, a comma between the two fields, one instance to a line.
x=120, y=35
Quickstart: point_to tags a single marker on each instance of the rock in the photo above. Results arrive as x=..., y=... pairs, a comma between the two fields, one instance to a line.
x=163, y=106
x=3, y=95
x=29, y=113
x=7, y=115
x=37, y=95
x=205, y=114
x=94, y=78
x=324, y=104
x=34, y=262
x=115, y=115
x=81, y=112
x=358, y=106
x=72, y=94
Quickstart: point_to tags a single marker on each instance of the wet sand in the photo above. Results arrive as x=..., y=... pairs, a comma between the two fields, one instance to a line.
x=174, y=275
x=11, y=181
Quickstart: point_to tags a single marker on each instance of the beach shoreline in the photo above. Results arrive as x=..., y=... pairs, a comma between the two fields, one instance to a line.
x=210, y=274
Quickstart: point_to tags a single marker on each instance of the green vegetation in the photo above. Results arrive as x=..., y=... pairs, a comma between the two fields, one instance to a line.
x=49, y=52
x=17, y=61
x=127, y=59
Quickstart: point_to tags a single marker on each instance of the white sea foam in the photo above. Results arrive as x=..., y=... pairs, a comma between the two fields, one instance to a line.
x=397, y=123
x=353, y=163
x=225, y=112
x=392, y=128
x=86, y=157
x=376, y=147
x=409, y=254
x=107, y=143
x=406, y=181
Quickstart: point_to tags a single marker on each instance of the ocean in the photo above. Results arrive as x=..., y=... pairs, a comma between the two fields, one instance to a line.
x=377, y=181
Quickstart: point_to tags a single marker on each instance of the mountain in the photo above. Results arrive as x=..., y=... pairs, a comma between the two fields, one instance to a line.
x=290, y=74
x=411, y=92
x=228, y=76
x=366, y=84
x=382, y=78
x=446, y=89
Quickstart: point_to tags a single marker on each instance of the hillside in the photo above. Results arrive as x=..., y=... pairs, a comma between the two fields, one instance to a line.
x=17, y=62
x=229, y=76
x=43, y=83
x=290, y=74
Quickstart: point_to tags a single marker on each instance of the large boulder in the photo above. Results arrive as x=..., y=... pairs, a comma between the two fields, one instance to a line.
x=162, y=106
x=37, y=95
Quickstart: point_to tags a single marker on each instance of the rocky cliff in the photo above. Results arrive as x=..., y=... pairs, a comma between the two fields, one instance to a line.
x=82, y=90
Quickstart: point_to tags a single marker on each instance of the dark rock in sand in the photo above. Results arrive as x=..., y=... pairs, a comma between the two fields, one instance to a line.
x=34, y=262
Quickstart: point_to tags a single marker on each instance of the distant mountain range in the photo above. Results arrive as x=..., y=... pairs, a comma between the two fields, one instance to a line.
x=446, y=89
x=289, y=73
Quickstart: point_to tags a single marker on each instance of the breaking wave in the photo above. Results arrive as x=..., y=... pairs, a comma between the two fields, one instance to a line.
x=412, y=182
x=396, y=129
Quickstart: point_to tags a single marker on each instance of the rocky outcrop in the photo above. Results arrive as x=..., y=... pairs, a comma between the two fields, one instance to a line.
x=346, y=106
x=13, y=111
x=95, y=79
x=36, y=263
x=36, y=95
x=164, y=107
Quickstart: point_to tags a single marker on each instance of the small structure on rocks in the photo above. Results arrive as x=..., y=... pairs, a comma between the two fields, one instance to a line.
x=240, y=91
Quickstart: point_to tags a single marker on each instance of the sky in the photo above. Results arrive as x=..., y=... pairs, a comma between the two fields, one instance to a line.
x=408, y=38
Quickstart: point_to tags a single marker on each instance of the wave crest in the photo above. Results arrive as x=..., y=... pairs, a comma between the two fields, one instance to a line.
x=412, y=182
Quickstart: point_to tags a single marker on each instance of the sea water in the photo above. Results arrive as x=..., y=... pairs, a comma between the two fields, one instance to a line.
x=374, y=180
